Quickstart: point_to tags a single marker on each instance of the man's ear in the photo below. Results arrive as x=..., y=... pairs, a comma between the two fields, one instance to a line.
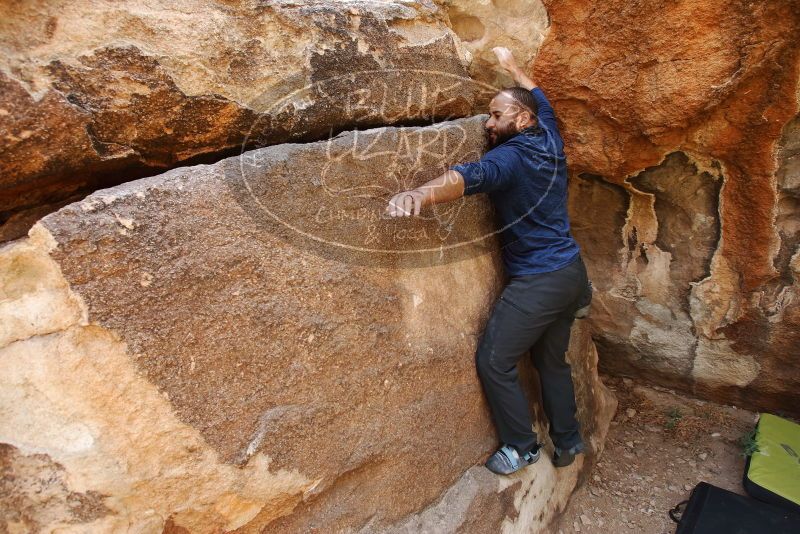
x=522, y=118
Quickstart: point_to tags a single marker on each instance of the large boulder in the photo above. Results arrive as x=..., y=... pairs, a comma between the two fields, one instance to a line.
x=100, y=93
x=682, y=150
x=249, y=345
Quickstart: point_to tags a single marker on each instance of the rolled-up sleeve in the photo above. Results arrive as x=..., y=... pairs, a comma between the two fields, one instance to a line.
x=483, y=176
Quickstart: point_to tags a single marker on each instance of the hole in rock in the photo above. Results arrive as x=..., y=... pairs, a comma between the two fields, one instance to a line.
x=467, y=27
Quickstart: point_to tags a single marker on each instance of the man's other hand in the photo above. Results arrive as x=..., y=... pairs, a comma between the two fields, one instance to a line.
x=405, y=204
x=445, y=188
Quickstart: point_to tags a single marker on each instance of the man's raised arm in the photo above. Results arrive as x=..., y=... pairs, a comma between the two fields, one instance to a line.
x=545, y=113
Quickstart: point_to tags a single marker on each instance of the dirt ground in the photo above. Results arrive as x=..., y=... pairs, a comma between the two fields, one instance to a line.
x=659, y=446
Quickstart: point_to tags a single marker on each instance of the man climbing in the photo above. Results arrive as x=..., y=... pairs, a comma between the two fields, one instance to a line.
x=525, y=175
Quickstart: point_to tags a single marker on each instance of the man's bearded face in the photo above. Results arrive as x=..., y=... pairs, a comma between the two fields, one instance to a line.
x=502, y=124
x=500, y=134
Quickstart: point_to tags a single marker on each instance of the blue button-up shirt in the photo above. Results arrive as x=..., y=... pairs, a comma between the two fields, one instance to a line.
x=526, y=179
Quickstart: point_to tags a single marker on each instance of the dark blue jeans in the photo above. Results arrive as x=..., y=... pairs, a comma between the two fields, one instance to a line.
x=534, y=313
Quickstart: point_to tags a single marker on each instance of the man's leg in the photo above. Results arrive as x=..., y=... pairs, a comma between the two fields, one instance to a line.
x=558, y=392
x=507, y=337
x=525, y=310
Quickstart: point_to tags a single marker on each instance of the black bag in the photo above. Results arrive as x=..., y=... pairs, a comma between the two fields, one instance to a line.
x=713, y=510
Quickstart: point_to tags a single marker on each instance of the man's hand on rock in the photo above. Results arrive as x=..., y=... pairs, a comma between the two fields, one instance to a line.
x=405, y=204
x=444, y=188
x=505, y=58
x=507, y=61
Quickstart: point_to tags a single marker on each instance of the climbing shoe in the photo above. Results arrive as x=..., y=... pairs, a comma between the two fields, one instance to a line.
x=507, y=460
x=563, y=458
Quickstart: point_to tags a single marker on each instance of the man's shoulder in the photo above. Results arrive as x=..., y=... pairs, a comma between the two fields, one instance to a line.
x=501, y=153
x=521, y=144
x=541, y=140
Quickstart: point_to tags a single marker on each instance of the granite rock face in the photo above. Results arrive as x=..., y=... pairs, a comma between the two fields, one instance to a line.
x=96, y=93
x=191, y=367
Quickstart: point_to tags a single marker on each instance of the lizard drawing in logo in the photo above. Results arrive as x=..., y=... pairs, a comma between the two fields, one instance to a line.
x=374, y=164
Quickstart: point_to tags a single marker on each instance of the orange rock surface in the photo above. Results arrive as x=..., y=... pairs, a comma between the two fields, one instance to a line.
x=718, y=82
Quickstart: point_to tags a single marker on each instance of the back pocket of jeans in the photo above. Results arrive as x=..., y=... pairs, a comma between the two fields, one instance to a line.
x=515, y=306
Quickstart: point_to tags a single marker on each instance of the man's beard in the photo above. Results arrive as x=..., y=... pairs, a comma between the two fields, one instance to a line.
x=500, y=136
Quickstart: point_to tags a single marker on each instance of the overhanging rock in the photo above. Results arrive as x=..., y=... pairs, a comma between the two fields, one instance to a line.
x=103, y=93
x=682, y=153
x=202, y=371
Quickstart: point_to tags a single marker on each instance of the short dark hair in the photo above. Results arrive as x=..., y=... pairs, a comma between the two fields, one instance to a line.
x=524, y=98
